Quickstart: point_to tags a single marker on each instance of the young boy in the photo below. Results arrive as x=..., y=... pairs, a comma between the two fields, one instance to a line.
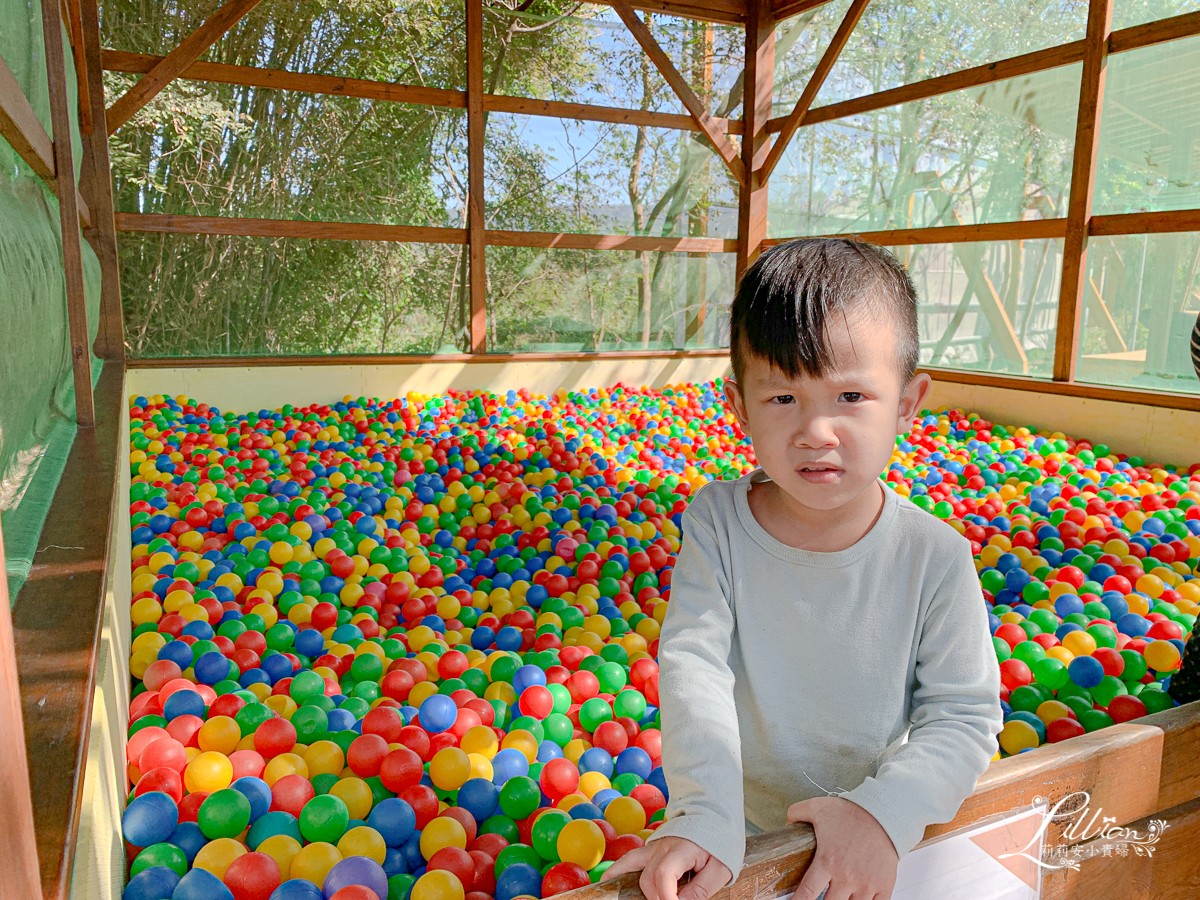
x=826, y=657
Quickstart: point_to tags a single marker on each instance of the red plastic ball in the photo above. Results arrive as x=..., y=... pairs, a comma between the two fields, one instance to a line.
x=1125, y=707
x=252, y=876
x=560, y=777
x=564, y=876
x=456, y=861
x=366, y=755
x=1061, y=729
x=610, y=737
x=354, y=892
x=164, y=779
x=401, y=768
x=464, y=818
x=290, y=793
x=384, y=721
x=274, y=736
x=424, y=803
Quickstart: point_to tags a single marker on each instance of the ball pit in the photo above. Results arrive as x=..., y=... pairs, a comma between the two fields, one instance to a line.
x=406, y=648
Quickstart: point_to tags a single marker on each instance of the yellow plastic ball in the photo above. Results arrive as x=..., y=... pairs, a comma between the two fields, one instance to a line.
x=520, y=739
x=625, y=815
x=282, y=848
x=1162, y=656
x=449, y=769
x=437, y=885
x=313, y=862
x=284, y=764
x=356, y=794
x=1017, y=736
x=442, y=832
x=363, y=841
x=210, y=771
x=216, y=856
x=481, y=740
x=220, y=734
x=581, y=842
x=324, y=758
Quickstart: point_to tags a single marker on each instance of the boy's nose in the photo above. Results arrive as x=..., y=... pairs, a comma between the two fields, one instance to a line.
x=817, y=432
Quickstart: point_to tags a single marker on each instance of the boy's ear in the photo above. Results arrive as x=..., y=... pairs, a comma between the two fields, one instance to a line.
x=911, y=400
x=733, y=396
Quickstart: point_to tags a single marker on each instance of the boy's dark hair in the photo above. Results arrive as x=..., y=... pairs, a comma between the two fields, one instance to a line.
x=787, y=296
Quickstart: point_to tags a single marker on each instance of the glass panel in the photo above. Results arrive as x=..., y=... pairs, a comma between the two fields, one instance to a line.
x=1149, y=128
x=227, y=150
x=590, y=56
x=407, y=41
x=545, y=174
x=1137, y=12
x=898, y=42
x=997, y=153
x=800, y=41
x=987, y=306
x=562, y=300
x=207, y=295
x=1140, y=305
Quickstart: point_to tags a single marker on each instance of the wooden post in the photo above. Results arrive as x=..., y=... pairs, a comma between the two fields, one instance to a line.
x=68, y=213
x=476, y=224
x=759, y=85
x=110, y=337
x=19, y=877
x=1083, y=177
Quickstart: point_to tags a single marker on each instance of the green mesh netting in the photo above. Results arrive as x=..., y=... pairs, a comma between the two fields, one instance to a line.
x=37, y=397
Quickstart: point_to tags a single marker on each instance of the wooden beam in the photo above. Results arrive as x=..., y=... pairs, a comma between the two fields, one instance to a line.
x=970, y=256
x=73, y=16
x=1172, y=29
x=989, y=73
x=683, y=90
x=1083, y=177
x=278, y=79
x=396, y=359
x=476, y=220
x=1165, y=221
x=110, y=336
x=565, y=241
x=758, y=86
x=69, y=211
x=19, y=877
x=20, y=126
x=1024, y=230
x=728, y=12
x=786, y=9
x=828, y=59
x=189, y=50
x=332, y=231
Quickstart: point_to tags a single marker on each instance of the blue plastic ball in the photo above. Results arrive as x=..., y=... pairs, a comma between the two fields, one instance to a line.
x=149, y=819
x=257, y=791
x=479, y=797
x=1085, y=671
x=395, y=820
x=518, y=879
x=438, y=713
x=155, y=883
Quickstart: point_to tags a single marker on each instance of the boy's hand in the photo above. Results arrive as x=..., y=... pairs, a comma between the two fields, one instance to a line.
x=855, y=858
x=664, y=862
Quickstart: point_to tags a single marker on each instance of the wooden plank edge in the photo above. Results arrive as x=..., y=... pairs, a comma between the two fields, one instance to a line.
x=399, y=359
x=1026, y=229
x=417, y=95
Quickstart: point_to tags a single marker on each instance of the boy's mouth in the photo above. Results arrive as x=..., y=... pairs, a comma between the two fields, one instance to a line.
x=817, y=473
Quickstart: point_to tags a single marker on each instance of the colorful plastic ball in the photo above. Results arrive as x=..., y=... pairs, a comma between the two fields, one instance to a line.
x=188, y=837
x=274, y=736
x=149, y=819
x=257, y=792
x=625, y=815
x=283, y=849
x=224, y=814
x=456, y=861
x=355, y=892
x=356, y=794
x=363, y=841
x=315, y=861
x=164, y=854
x=399, y=886
x=439, y=885
x=449, y=769
x=563, y=877
x=157, y=883
x=581, y=842
x=442, y=832
x=509, y=763
x=1085, y=672
x=324, y=819
x=400, y=769
x=394, y=820
x=520, y=797
x=216, y=856
x=479, y=797
x=438, y=713
x=544, y=833
x=210, y=771
x=252, y=876
x=519, y=879
x=297, y=889
x=356, y=870
x=1162, y=656
x=200, y=884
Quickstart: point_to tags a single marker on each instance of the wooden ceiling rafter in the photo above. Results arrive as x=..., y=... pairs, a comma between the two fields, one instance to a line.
x=693, y=104
x=828, y=60
x=174, y=63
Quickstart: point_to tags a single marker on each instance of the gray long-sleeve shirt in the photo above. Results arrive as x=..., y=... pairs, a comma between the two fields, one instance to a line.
x=789, y=674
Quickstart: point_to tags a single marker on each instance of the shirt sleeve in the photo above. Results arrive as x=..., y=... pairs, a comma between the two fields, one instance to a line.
x=701, y=754
x=955, y=716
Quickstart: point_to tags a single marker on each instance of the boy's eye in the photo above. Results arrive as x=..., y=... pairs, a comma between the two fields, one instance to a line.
x=851, y=396
x=783, y=398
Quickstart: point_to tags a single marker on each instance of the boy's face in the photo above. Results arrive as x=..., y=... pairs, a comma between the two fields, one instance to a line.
x=824, y=441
